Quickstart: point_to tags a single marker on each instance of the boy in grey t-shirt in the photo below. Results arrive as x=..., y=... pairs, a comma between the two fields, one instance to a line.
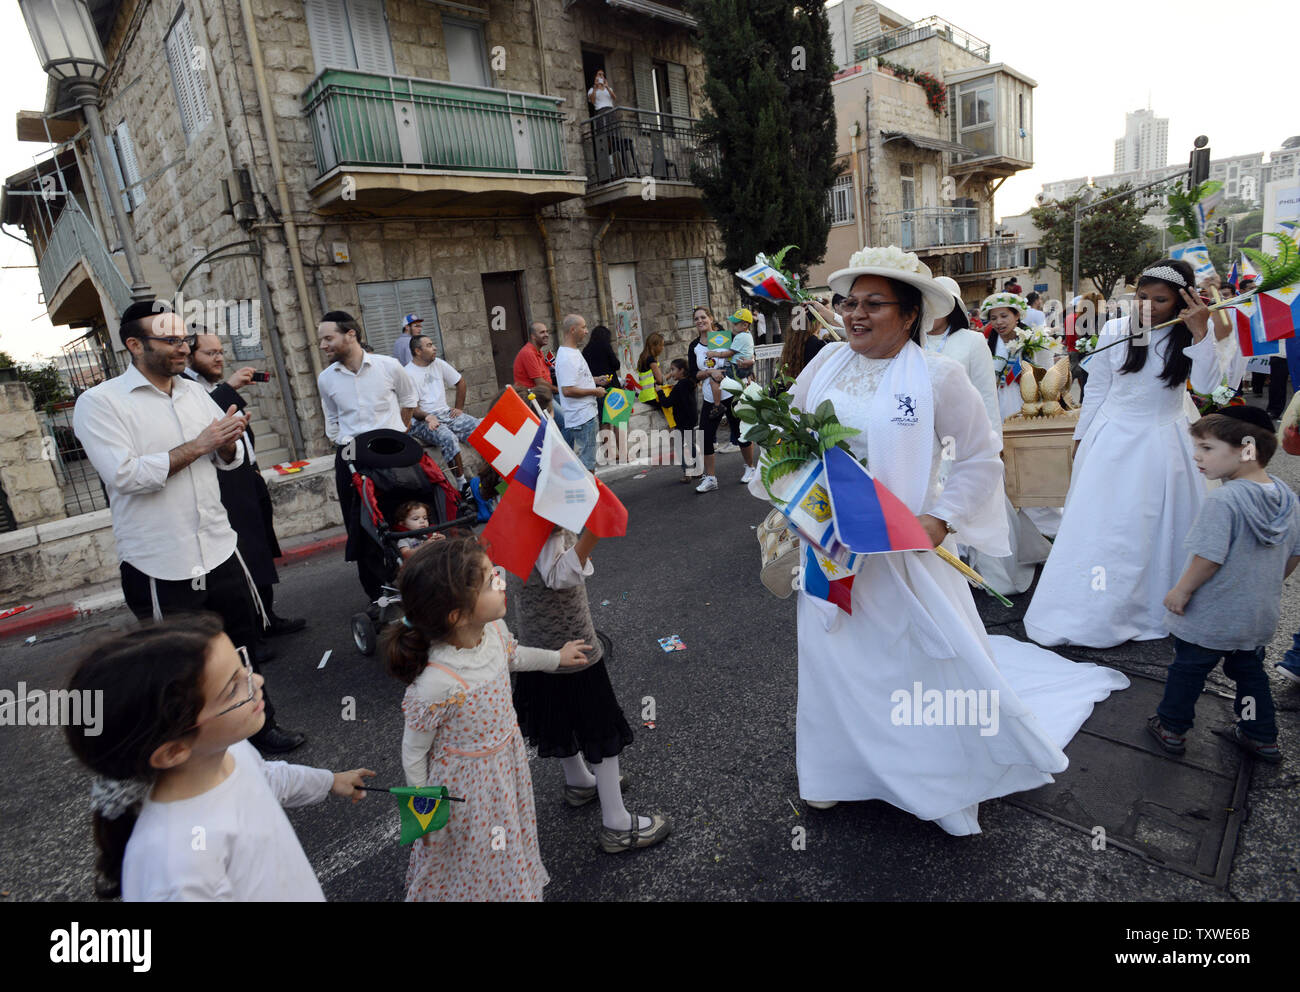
x=1243, y=543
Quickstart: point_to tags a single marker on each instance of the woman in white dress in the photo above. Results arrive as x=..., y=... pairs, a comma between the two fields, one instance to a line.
x=914, y=629
x=1135, y=489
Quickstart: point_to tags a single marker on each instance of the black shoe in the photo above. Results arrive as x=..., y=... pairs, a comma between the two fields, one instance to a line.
x=279, y=625
x=262, y=653
x=275, y=740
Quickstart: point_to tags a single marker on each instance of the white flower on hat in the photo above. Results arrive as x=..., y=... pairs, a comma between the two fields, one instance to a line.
x=887, y=257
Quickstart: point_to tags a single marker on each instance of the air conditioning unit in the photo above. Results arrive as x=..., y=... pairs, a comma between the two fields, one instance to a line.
x=238, y=188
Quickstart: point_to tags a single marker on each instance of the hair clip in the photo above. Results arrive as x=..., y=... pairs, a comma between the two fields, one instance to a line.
x=406, y=621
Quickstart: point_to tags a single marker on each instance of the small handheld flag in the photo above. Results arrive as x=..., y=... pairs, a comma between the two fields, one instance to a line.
x=423, y=810
x=618, y=406
x=504, y=435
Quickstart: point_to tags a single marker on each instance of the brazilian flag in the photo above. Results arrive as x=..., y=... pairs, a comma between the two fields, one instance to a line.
x=424, y=809
x=618, y=406
x=719, y=340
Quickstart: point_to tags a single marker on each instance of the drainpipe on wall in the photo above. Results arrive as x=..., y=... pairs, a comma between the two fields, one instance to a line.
x=550, y=271
x=541, y=47
x=858, y=185
x=282, y=191
x=867, y=172
x=602, y=290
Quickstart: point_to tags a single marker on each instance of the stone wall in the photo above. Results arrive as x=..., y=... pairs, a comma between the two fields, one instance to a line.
x=25, y=473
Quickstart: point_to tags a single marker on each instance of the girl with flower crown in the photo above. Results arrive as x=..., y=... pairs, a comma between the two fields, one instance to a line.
x=913, y=626
x=1135, y=488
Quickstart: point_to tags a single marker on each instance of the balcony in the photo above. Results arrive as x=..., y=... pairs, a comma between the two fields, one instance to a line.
x=929, y=27
x=78, y=276
x=932, y=227
x=388, y=142
x=986, y=260
x=640, y=161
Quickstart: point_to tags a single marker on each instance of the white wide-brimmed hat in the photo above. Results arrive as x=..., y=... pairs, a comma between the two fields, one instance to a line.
x=950, y=284
x=891, y=262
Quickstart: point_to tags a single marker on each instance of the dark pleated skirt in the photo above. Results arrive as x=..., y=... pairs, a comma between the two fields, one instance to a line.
x=564, y=714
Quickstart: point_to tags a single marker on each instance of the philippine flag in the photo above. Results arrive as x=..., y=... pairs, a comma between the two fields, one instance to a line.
x=868, y=517
x=1250, y=331
x=818, y=580
x=1278, y=311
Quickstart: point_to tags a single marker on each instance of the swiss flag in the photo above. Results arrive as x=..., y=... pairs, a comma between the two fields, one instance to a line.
x=504, y=435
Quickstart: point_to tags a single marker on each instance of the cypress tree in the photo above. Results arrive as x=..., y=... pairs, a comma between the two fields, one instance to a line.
x=769, y=131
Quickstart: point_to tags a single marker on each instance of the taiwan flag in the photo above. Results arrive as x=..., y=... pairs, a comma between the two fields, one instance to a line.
x=503, y=436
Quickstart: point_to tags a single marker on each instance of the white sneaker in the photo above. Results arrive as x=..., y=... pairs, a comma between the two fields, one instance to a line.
x=726, y=447
x=747, y=477
x=710, y=484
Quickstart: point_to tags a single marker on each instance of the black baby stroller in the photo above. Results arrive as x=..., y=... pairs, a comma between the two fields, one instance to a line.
x=389, y=468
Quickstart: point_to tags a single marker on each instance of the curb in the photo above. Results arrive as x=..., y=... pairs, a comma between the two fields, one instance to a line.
x=30, y=621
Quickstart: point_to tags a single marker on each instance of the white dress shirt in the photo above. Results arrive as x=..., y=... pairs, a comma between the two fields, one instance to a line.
x=369, y=399
x=168, y=527
x=249, y=452
x=431, y=384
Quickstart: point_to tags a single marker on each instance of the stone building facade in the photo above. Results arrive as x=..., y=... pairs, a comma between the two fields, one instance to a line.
x=597, y=216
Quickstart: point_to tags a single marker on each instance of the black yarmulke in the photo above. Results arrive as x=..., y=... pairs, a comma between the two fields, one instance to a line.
x=1251, y=415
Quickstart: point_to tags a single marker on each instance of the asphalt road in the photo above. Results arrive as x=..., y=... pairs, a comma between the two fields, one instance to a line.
x=719, y=761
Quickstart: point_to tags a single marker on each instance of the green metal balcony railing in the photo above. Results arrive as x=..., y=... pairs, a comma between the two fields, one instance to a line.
x=368, y=119
x=73, y=239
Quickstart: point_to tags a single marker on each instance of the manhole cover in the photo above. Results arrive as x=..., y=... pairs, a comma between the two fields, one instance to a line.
x=1180, y=813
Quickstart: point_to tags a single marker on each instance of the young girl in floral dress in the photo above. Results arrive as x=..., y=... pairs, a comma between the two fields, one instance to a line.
x=455, y=653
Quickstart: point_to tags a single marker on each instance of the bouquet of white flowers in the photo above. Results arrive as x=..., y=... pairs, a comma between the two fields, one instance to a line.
x=1031, y=340
x=1086, y=345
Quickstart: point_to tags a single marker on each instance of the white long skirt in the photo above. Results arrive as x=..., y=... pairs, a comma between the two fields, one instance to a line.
x=914, y=628
x=1014, y=573
x=1133, y=498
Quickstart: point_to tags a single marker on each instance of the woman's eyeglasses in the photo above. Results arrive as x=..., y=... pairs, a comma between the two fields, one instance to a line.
x=870, y=307
x=252, y=690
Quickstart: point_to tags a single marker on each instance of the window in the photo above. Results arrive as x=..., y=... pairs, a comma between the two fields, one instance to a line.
x=126, y=170
x=385, y=304
x=840, y=200
x=690, y=288
x=976, y=116
x=466, y=52
x=349, y=34
x=660, y=86
x=188, y=76
x=907, y=176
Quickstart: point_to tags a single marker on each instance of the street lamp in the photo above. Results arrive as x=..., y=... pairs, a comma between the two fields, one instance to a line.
x=69, y=51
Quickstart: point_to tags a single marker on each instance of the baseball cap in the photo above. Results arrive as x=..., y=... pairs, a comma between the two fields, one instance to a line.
x=412, y=319
x=741, y=315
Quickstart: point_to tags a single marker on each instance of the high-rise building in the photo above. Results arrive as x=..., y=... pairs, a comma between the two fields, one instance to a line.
x=1145, y=144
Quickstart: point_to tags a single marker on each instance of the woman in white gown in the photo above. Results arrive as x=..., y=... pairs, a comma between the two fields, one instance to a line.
x=914, y=627
x=1135, y=489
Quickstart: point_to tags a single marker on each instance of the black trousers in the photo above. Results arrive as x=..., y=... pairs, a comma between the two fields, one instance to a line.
x=224, y=591
x=360, y=548
x=1278, y=377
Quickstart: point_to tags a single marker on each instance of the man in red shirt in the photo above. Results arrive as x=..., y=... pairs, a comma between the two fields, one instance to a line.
x=531, y=370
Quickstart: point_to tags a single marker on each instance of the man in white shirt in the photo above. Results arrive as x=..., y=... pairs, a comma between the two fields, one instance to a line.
x=359, y=392
x=579, y=394
x=158, y=440
x=434, y=421
x=411, y=328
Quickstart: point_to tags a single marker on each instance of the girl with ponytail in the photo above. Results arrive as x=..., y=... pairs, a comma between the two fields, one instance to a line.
x=180, y=702
x=454, y=653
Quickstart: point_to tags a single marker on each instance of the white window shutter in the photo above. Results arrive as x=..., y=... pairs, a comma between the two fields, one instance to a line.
x=188, y=80
x=385, y=304
x=370, y=36
x=130, y=166
x=416, y=296
x=699, y=285
x=678, y=92
x=115, y=155
x=331, y=41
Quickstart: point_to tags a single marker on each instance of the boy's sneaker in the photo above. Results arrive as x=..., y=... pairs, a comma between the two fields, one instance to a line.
x=710, y=484
x=1256, y=749
x=748, y=476
x=1287, y=672
x=726, y=447
x=1167, y=739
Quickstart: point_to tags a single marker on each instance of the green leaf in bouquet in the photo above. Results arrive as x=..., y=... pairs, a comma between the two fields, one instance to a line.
x=833, y=434
x=746, y=415
x=825, y=411
x=759, y=435
x=779, y=469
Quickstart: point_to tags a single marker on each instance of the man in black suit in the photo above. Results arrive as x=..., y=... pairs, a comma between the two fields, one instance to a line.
x=243, y=490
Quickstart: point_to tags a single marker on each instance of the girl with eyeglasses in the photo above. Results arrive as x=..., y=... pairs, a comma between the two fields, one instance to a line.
x=455, y=654
x=184, y=807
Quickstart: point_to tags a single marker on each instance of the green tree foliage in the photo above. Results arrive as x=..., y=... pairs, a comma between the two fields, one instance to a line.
x=42, y=379
x=1115, y=243
x=769, y=130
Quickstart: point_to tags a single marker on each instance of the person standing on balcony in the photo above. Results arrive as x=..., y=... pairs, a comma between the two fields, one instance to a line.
x=412, y=328
x=158, y=441
x=601, y=95
x=243, y=490
x=359, y=392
